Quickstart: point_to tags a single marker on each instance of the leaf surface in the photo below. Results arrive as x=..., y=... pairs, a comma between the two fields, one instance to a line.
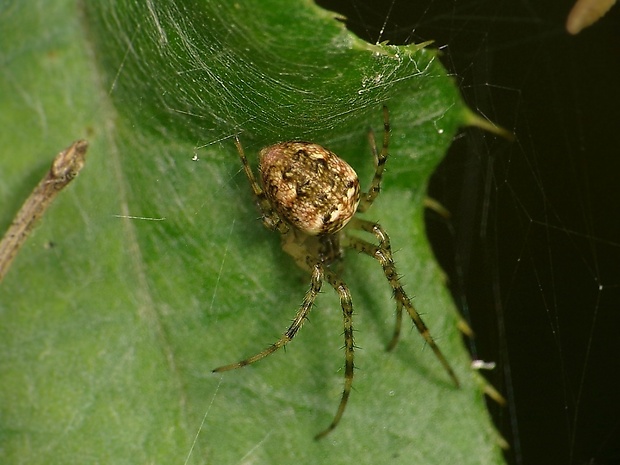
x=153, y=268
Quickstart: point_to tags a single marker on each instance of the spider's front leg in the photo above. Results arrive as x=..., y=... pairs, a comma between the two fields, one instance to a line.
x=289, y=334
x=347, y=315
x=383, y=255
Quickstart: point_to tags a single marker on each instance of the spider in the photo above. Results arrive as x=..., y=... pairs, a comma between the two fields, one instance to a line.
x=310, y=196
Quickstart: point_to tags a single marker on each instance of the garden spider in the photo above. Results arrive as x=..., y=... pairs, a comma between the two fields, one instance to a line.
x=309, y=195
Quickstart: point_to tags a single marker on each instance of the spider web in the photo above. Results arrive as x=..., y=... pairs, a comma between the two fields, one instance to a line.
x=533, y=245
x=529, y=241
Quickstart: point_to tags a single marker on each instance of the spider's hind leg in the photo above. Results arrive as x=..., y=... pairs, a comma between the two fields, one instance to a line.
x=270, y=218
x=380, y=159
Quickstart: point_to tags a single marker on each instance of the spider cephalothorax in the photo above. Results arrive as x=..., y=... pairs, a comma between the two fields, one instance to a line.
x=310, y=196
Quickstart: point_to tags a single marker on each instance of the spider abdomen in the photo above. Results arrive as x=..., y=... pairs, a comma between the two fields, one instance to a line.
x=309, y=186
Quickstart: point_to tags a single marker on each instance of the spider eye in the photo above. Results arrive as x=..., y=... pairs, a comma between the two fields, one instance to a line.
x=309, y=186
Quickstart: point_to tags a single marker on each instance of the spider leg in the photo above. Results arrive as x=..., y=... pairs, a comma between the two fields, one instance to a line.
x=383, y=255
x=270, y=218
x=384, y=243
x=397, y=326
x=347, y=313
x=380, y=159
x=300, y=318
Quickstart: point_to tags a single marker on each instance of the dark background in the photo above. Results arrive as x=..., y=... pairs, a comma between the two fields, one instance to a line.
x=533, y=245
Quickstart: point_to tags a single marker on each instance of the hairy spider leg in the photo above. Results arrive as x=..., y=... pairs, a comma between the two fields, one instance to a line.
x=289, y=334
x=270, y=218
x=397, y=327
x=384, y=243
x=347, y=314
x=380, y=159
x=383, y=255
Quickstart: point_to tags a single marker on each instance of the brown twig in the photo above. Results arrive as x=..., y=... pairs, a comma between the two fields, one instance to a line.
x=65, y=167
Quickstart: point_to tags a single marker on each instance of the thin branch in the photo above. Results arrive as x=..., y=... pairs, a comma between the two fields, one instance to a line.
x=65, y=167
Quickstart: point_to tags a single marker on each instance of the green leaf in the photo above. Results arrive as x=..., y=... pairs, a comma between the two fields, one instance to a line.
x=153, y=268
